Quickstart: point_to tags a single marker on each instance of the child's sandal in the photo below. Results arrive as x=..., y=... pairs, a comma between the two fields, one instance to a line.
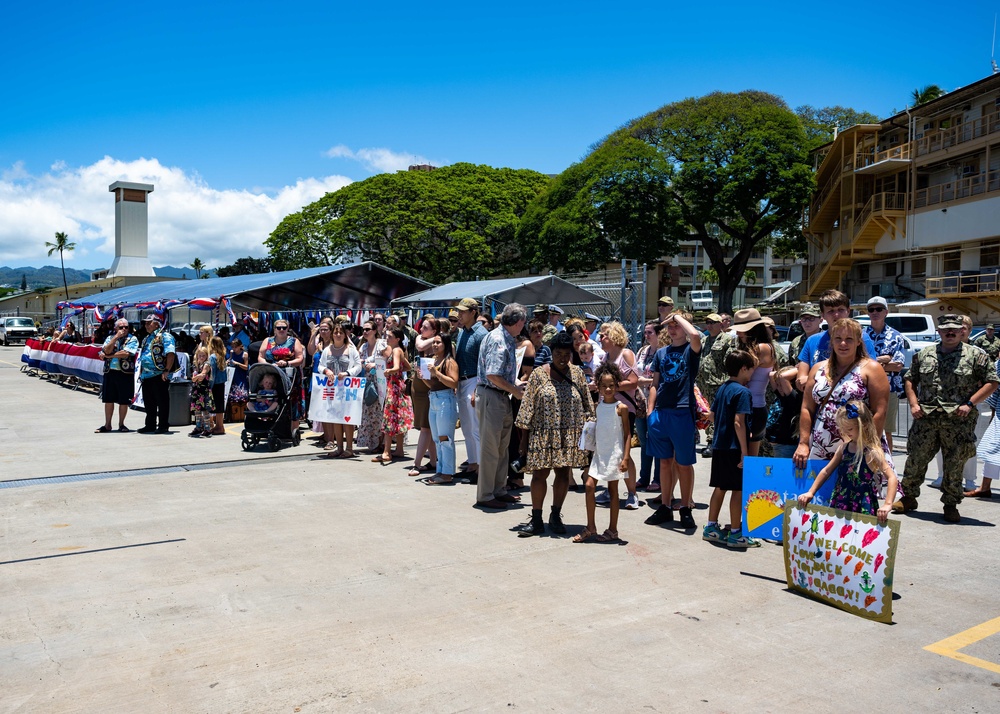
x=608, y=536
x=584, y=536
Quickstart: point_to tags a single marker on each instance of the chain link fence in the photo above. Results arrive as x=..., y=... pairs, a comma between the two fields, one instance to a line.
x=625, y=289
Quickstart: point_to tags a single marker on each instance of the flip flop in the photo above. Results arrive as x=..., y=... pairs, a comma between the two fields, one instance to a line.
x=437, y=480
x=103, y=430
x=124, y=429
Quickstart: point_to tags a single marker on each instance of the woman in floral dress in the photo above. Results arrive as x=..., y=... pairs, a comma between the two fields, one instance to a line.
x=397, y=415
x=372, y=347
x=848, y=374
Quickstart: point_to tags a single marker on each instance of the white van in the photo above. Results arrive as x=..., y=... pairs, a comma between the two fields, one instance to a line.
x=700, y=300
x=918, y=331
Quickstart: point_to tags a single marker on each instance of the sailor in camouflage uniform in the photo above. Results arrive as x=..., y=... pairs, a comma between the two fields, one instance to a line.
x=989, y=341
x=810, y=319
x=943, y=386
x=708, y=380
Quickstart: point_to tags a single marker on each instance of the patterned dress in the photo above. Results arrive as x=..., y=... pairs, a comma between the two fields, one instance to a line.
x=370, y=432
x=825, y=437
x=397, y=414
x=857, y=488
x=554, y=413
x=201, y=397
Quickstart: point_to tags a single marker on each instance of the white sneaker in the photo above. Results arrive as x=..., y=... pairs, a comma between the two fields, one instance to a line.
x=632, y=502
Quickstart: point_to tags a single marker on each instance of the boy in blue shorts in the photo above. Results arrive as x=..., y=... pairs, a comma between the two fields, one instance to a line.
x=732, y=409
x=670, y=425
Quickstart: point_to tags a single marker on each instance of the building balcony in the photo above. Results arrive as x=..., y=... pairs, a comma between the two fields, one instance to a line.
x=954, y=136
x=964, y=286
x=954, y=190
x=877, y=162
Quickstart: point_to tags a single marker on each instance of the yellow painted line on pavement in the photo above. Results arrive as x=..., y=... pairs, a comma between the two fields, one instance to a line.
x=12, y=364
x=950, y=646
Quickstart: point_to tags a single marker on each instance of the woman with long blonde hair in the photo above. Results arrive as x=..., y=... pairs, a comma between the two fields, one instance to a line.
x=848, y=374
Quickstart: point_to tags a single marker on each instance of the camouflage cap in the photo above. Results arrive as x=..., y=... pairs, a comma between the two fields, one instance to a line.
x=950, y=321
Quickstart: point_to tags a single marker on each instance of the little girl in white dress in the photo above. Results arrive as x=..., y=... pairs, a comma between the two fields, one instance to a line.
x=611, y=454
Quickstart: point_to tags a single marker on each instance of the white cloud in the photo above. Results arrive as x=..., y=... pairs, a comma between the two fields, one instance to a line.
x=187, y=217
x=377, y=160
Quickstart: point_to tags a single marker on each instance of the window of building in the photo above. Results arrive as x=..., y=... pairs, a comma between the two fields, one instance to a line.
x=989, y=256
x=951, y=261
x=889, y=270
x=863, y=273
x=918, y=267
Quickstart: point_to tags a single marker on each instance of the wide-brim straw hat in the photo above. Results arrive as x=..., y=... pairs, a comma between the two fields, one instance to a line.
x=746, y=319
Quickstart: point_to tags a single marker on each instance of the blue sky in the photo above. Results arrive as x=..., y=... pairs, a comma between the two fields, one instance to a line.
x=227, y=103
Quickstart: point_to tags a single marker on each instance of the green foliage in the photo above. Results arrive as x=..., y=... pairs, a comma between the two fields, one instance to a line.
x=24, y=282
x=456, y=222
x=708, y=276
x=738, y=172
x=245, y=266
x=613, y=204
x=818, y=124
x=927, y=94
x=197, y=266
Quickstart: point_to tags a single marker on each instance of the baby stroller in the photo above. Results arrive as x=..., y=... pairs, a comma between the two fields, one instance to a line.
x=268, y=412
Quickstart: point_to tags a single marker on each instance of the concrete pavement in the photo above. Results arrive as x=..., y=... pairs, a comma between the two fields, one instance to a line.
x=285, y=583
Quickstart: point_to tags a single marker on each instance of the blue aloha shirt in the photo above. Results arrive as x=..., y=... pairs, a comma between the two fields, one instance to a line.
x=146, y=367
x=889, y=342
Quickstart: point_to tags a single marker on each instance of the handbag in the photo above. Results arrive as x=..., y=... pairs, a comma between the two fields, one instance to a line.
x=702, y=409
x=371, y=390
x=588, y=437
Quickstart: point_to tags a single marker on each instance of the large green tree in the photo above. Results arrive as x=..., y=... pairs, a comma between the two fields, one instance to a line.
x=819, y=124
x=739, y=173
x=63, y=245
x=197, y=266
x=615, y=203
x=456, y=222
x=730, y=170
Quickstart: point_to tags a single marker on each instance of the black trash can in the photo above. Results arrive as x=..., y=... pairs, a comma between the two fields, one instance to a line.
x=180, y=403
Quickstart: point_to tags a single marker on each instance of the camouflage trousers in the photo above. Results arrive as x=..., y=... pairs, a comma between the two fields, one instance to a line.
x=955, y=438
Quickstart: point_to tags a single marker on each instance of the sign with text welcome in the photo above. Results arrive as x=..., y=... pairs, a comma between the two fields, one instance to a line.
x=842, y=558
x=337, y=401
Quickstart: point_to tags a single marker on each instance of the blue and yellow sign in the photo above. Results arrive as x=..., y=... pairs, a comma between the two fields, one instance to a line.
x=768, y=484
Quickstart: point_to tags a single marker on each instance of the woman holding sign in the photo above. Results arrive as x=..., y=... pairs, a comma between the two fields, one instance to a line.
x=420, y=396
x=373, y=351
x=340, y=359
x=397, y=415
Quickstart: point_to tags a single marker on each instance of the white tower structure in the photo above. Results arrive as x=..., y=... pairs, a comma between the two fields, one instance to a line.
x=131, y=230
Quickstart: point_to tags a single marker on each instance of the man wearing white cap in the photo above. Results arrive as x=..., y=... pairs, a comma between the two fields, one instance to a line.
x=555, y=314
x=889, y=348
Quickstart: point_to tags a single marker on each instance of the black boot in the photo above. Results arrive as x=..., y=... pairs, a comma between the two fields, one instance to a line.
x=533, y=527
x=555, y=522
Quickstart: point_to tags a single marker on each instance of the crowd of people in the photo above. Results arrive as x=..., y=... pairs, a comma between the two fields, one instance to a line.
x=545, y=393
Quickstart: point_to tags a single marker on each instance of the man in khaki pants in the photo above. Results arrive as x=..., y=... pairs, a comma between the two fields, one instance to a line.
x=497, y=381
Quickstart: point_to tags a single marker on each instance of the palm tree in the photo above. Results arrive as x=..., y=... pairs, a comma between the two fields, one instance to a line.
x=927, y=94
x=197, y=266
x=62, y=244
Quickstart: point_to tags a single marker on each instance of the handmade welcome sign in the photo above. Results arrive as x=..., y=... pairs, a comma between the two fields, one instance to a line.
x=842, y=558
x=768, y=484
x=337, y=401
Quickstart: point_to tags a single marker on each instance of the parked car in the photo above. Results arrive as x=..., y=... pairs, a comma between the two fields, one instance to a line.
x=913, y=341
x=17, y=329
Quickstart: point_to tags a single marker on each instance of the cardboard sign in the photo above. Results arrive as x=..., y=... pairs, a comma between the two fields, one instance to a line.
x=843, y=558
x=337, y=401
x=768, y=484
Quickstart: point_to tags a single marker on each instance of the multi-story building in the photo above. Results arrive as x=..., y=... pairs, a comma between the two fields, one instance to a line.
x=909, y=208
